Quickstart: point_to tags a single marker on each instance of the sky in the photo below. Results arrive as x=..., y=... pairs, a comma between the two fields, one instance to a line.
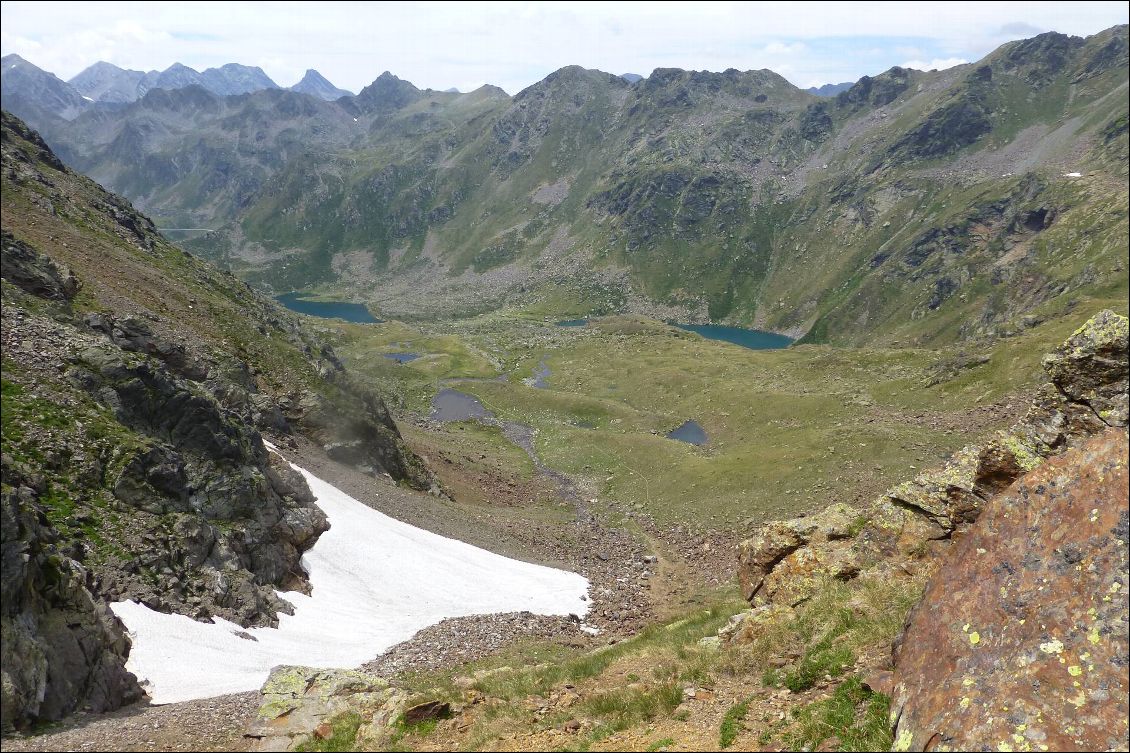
x=512, y=45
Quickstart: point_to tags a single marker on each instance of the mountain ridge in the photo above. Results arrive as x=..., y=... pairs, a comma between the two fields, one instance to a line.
x=691, y=193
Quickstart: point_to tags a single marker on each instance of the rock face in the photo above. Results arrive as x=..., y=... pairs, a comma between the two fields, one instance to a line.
x=1020, y=641
x=30, y=270
x=61, y=645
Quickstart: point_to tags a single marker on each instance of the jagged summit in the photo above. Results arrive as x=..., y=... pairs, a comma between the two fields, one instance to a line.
x=316, y=84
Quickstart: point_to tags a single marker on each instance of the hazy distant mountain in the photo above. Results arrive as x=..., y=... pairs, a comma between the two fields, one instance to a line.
x=317, y=85
x=452, y=90
x=30, y=92
x=106, y=82
x=631, y=78
x=234, y=78
x=176, y=76
x=830, y=90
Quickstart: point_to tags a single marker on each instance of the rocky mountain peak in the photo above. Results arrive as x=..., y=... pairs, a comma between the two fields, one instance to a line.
x=316, y=84
x=387, y=92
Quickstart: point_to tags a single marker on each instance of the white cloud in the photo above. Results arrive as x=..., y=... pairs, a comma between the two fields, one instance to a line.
x=780, y=48
x=515, y=44
x=937, y=64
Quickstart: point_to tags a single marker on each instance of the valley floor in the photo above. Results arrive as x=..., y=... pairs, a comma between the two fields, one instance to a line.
x=651, y=522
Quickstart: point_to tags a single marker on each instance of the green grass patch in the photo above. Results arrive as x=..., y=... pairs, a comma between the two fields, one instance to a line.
x=343, y=736
x=855, y=716
x=731, y=724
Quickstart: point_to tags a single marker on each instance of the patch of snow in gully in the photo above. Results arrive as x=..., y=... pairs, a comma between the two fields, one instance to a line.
x=375, y=582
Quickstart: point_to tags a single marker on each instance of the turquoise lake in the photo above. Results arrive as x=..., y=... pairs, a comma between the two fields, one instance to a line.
x=350, y=312
x=754, y=339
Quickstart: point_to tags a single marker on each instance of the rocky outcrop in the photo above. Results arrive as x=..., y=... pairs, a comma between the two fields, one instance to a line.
x=133, y=463
x=1020, y=641
x=62, y=648
x=785, y=561
x=1087, y=394
x=26, y=268
x=301, y=703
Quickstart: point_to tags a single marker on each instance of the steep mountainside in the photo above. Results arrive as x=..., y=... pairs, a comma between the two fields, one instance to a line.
x=913, y=207
x=106, y=82
x=39, y=95
x=136, y=382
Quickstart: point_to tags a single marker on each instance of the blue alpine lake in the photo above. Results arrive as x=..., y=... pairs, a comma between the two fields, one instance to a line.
x=573, y=323
x=351, y=312
x=753, y=339
x=690, y=432
x=401, y=357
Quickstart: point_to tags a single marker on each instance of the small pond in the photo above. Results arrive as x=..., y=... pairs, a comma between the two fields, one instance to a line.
x=690, y=432
x=541, y=373
x=754, y=339
x=453, y=405
x=350, y=312
x=401, y=357
x=573, y=323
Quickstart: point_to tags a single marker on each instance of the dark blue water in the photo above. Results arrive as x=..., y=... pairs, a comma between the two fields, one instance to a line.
x=754, y=339
x=452, y=405
x=350, y=312
x=573, y=323
x=690, y=432
x=401, y=357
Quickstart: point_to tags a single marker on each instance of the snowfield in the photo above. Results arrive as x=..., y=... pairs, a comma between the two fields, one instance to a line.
x=375, y=582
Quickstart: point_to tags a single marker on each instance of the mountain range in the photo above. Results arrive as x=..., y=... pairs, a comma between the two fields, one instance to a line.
x=913, y=207
x=830, y=90
x=106, y=83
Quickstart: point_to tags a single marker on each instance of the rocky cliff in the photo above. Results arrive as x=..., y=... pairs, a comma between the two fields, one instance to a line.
x=137, y=382
x=1020, y=639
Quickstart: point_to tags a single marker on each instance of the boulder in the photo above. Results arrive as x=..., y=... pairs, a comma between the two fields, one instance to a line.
x=298, y=701
x=1091, y=367
x=776, y=541
x=1020, y=640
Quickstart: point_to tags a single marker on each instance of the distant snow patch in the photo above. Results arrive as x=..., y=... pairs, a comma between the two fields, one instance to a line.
x=1073, y=175
x=375, y=582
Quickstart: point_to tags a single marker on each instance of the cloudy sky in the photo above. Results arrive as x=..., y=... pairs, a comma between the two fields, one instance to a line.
x=513, y=45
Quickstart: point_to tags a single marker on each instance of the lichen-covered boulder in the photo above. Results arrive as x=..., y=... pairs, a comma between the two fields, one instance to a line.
x=1020, y=641
x=299, y=700
x=1091, y=367
x=801, y=575
x=777, y=541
